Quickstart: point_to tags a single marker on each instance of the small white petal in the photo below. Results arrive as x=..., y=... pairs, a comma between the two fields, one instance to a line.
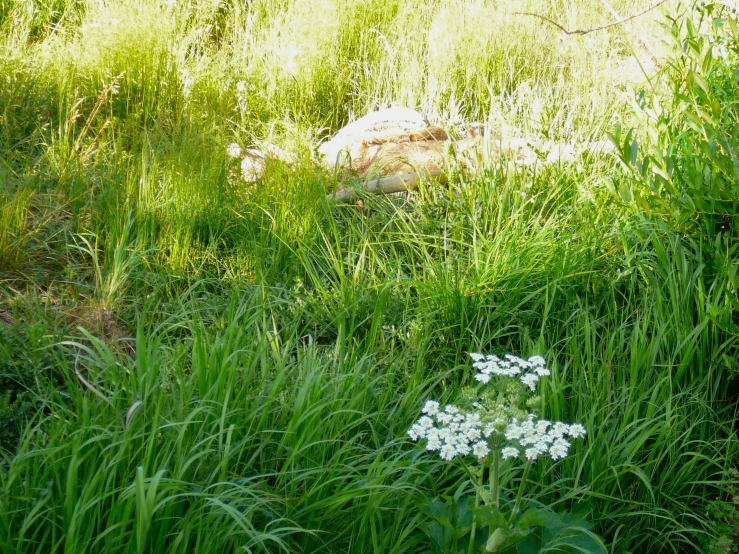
x=576, y=431
x=559, y=449
x=532, y=453
x=530, y=380
x=510, y=452
x=431, y=408
x=480, y=449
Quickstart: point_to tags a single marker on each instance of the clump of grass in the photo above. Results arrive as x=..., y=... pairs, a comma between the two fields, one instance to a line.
x=14, y=227
x=248, y=431
x=272, y=348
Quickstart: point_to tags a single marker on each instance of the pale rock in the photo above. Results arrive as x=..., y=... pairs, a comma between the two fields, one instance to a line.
x=253, y=165
x=392, y=141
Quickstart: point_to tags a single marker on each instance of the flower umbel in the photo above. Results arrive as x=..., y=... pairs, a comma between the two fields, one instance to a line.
x=496, y=423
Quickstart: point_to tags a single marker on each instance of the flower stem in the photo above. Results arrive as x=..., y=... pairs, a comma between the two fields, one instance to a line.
x=495, y=480
x=471, y=548
x=520, y=492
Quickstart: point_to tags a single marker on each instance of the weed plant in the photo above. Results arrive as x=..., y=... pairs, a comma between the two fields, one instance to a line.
x=190, y=364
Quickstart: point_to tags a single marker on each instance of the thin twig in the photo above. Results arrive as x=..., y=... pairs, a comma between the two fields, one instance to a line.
x=586, y=31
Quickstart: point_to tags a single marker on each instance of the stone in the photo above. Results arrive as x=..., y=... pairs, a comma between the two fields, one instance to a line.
x=253, y=165
x=388, y=142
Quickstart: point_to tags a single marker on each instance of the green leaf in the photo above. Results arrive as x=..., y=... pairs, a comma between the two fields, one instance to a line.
x=551, y=521
x=446, y=522
x=435, y=509
x=530, y=544
x=440, y=537
x=490, y=516
x=530, y=519
x=464, y=515
x=575, y=519
x=460, y=532
x=699, y=80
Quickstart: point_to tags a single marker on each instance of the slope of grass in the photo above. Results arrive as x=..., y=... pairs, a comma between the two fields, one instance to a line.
x=189, y=364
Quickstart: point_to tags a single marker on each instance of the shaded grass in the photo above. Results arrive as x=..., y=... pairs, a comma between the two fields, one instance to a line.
x=262, y=435
x=299, y=396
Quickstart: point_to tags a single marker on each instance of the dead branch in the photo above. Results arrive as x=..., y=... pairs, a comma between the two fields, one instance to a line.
x=388, y=185
x=586, y=31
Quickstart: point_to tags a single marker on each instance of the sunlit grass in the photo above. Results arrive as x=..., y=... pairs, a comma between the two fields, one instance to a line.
x=216, y=367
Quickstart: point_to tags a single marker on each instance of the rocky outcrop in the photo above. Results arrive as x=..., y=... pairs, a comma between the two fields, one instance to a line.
x=392, y=149
x=389, y=142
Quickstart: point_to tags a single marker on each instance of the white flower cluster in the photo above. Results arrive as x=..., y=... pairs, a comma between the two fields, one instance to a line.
x=539, y=437
x=458, y=433
x=453, y=432
x=528, y=371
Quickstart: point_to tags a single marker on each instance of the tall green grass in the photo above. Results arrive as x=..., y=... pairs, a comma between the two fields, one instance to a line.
x=219, y=368
x=136, y=101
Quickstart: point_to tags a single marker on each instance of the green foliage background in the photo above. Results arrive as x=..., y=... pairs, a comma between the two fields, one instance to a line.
x=189, y=364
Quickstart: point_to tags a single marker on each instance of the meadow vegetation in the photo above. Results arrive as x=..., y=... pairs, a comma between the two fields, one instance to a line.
x=191, y=364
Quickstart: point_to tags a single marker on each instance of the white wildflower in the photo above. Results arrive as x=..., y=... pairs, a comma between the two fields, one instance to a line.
x=453, y=432
x=514, y=431
x=241, y=86
x=492, y=365
x=447, y=452
x=530, y=380
x=445, y=418
x=560, y=429
x=421, y=428
x=480, y=449
x=431, y=408
x=559, y=449
x=537, y=361
x=532, y=454
x=576, y=431
x=434, y=442
x=463, y=449
x=483, y=378
x=510, y=452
